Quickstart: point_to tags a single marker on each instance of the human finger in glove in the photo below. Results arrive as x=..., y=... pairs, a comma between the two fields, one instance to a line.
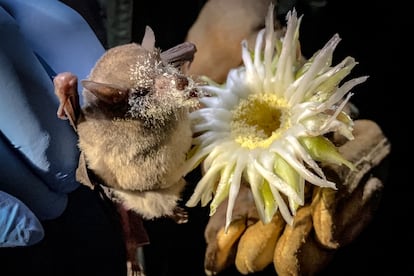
x=329, y=220
x=38, y=154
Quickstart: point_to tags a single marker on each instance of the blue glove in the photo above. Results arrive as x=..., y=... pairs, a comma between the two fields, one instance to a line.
x=63, y=39
x=56, y=33
x=17, y=179
x=18, y=225
x=38, y=151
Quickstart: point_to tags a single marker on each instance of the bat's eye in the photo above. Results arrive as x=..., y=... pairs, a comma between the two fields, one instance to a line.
x=140, y=91
x=181, y=82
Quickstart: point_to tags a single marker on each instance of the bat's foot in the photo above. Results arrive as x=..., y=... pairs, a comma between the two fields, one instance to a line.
x=135, y=269
x=179, y=215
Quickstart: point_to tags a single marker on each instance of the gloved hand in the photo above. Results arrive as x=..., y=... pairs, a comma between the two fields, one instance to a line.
x=329, y=220
x=18, y=225
x=38, y=154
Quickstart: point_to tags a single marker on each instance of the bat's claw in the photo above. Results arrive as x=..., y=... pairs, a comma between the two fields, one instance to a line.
x=135, y=269
x=179, y=215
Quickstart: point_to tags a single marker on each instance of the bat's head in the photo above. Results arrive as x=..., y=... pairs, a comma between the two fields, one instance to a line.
x=137, y=81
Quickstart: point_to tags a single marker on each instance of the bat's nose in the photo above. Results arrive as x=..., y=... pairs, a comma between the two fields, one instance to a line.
x=164, y=82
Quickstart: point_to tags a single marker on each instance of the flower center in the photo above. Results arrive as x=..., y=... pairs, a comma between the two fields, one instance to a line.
x=259, y=120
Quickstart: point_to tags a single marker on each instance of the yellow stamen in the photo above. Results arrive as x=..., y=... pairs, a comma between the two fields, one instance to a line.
x=259, y=120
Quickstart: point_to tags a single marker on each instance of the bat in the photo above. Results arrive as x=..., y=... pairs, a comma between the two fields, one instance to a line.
x=133, y=128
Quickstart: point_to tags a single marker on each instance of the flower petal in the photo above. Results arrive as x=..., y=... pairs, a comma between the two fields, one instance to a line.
x=234, y=189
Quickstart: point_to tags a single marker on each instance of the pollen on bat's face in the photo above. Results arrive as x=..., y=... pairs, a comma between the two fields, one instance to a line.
x=143, y=72
x=165, y=93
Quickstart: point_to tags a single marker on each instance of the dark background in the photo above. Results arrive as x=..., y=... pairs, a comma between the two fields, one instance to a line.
x=85, y=241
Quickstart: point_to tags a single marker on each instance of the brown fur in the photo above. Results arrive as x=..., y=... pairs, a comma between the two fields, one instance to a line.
x=134, y=131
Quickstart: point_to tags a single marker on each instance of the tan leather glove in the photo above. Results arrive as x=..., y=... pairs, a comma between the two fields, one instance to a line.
x=329, y=220
x=218, y=31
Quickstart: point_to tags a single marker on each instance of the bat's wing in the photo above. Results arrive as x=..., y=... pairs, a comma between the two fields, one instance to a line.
x=82, y=172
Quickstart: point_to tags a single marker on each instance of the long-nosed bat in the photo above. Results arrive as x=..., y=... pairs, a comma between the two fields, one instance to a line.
x=133, y=128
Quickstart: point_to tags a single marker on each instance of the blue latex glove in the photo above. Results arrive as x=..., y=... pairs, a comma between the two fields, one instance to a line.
x=38, y=151
x=18, y=225
x=65, y=42
x=17, y=179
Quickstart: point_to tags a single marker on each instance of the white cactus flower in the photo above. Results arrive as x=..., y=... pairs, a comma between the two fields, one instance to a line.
x=267, y=124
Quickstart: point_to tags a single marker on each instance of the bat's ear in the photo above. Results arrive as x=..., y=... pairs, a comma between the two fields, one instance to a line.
x=148, y=42
x=107, y=93
x=179, y=54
